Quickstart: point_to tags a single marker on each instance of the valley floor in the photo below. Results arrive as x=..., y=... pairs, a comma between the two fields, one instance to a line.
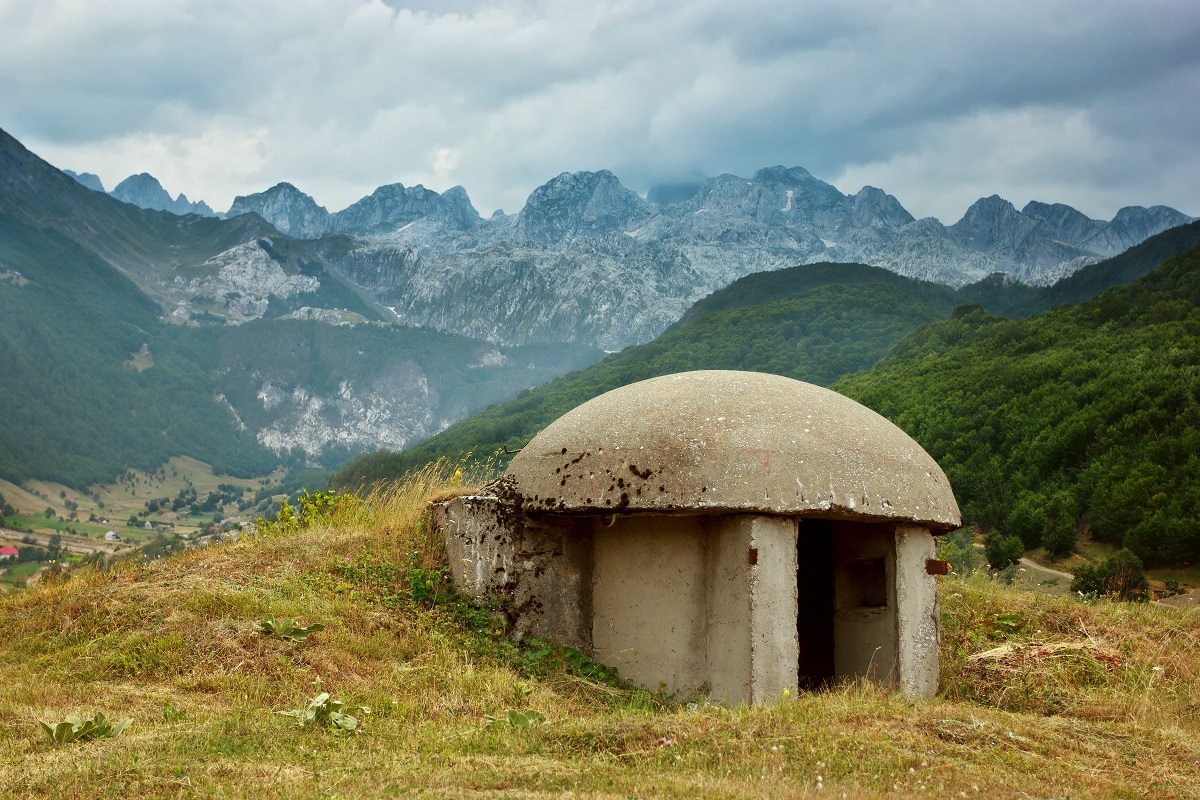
x=1042, y=696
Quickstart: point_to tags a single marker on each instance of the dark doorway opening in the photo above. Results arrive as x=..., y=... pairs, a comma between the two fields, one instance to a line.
x=814, y=612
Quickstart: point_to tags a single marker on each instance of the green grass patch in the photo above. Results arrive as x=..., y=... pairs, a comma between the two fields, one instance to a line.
x=1041, y=696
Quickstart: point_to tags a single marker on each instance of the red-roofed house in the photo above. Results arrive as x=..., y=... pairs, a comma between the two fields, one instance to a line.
x=7, y=552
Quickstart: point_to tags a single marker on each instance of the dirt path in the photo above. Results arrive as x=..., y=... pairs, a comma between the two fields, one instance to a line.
x=1025, y=562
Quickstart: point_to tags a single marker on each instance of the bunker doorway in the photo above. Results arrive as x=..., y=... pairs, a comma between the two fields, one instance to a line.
x=845, y=618
x=814, y=609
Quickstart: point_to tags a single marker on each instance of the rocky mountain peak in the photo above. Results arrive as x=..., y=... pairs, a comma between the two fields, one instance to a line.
x=1055, y=214
x=875, y=208
x=985, y=211
x=782, y=174
x=87, y=179
x=774, y=196
x=199, y=207
x=1136, y=222
x=393, y=207
x=993, y=222
x=580, y=205
x=455, y=207
x=144, y=191
x=1067, y=224
x=290, y=210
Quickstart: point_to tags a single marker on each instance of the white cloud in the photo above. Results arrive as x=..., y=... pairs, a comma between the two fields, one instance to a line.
x=937, y=103
x=1022, y=154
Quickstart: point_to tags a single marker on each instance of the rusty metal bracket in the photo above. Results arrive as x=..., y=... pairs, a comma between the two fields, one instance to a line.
x=935, y=566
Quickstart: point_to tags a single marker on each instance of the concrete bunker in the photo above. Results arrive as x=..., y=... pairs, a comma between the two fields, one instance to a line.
x=730, y=534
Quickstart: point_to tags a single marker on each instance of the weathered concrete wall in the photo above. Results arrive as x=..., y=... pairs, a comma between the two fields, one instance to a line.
x=775, y=648
x=729, y=609
x=698, y=604
x=703, y=604
x=542, y=569
x=918, y=612
x=648, y=600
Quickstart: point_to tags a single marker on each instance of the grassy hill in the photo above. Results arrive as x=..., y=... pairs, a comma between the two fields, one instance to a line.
x=1041, y=696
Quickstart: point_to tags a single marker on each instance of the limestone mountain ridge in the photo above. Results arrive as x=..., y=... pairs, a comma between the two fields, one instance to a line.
x=388, y=209
x=588, y=260
x=221, y=339
x=144, y=191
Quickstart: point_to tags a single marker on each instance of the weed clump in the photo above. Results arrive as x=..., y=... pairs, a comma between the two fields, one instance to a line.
x=322, y=711
x=76, y=729
x=290, y=629
x=1038, y=654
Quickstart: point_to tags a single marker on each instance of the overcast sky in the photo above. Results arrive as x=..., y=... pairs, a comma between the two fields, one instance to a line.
x=1091, y=103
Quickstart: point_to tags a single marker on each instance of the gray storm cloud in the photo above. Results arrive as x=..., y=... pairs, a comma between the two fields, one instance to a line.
x=1088, y=103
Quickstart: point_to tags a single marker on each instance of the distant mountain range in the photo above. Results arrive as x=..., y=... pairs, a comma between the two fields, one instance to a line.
x=381, y=324
x=816, y=323
x=1086, y=416
x=128, y=336
x=144, y=191
x=587, y=260
x=286, y=334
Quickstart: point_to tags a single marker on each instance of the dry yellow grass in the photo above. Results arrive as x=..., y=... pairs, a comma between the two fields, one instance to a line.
x=1073, y=700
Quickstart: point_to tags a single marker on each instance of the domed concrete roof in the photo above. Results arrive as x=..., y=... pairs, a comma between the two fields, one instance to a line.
x=738, y=442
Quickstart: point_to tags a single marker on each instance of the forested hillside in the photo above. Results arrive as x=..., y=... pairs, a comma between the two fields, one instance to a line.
x=95, y=382
x=92, y=381
x=1085, y=415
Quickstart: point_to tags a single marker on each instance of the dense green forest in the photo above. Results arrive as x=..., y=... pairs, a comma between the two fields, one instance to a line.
x=1087, y=414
